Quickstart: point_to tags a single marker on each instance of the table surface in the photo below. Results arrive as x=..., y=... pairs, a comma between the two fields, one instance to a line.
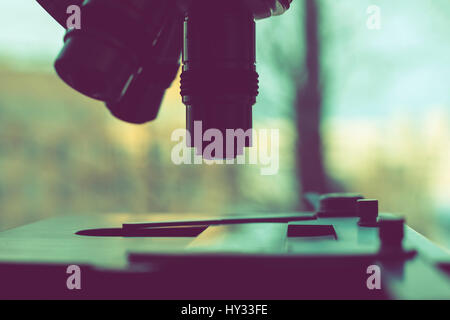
x=54, y=241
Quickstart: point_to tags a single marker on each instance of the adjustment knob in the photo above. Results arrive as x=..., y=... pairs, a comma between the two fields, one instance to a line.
x=339, y=205
x=367, y=212
x=391, y=233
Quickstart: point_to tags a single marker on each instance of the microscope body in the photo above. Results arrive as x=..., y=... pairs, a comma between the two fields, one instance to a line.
x=127, y=53
x=330, y=253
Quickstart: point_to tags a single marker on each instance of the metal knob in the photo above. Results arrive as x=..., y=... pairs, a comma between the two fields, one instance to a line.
x=367, y=212
x=338, y=205
x=391, y=233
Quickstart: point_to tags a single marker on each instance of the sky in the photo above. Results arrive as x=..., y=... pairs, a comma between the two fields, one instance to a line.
x=402, y=68
x=27, y=32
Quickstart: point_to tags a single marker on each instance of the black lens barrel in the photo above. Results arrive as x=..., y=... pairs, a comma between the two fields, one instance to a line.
x=126, y=54
x=99, y=59
x=141, y=100
x=219, y=83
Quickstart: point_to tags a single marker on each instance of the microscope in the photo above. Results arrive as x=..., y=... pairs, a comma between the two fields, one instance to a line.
x=126, y=53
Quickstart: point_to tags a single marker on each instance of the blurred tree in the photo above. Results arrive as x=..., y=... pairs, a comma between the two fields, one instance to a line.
x=296, y=62
x=308, y=106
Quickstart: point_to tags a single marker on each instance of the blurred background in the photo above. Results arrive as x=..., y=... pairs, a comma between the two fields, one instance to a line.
x=358, y=110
